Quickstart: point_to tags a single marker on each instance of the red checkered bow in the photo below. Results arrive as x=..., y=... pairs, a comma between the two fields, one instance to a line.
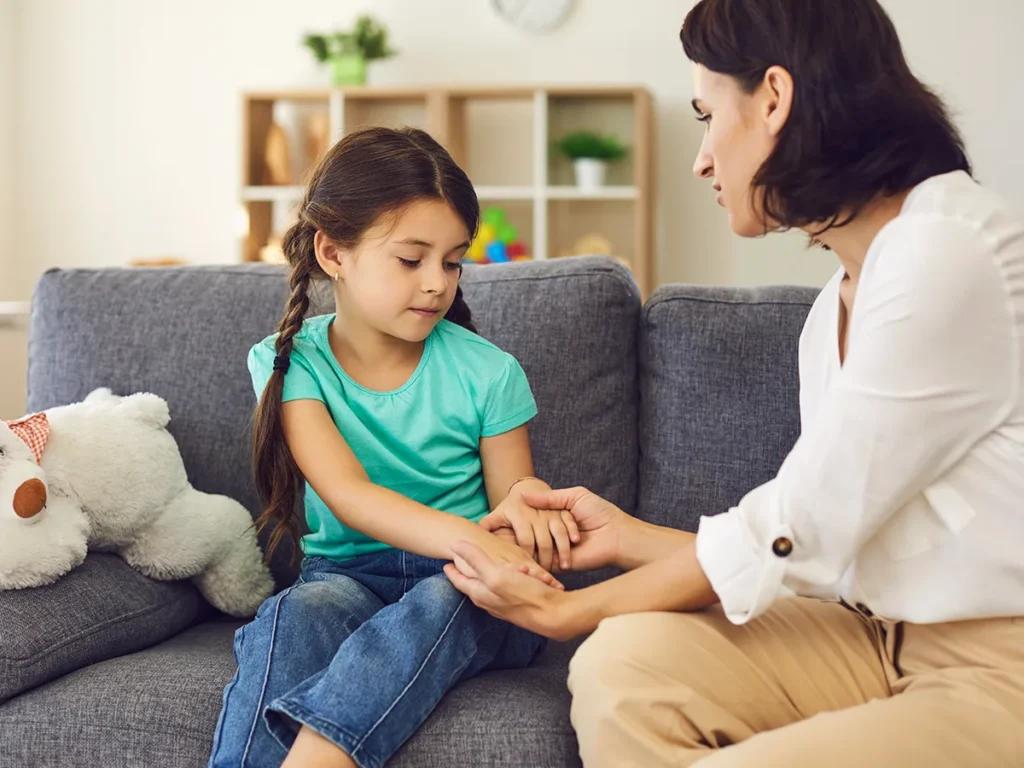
x=33, y=431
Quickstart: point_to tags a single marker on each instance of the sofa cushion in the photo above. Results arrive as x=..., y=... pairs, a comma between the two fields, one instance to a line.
x=183, y=333
x=719, y=396
x=160, y=707
x=101, y=609
x=155, y=707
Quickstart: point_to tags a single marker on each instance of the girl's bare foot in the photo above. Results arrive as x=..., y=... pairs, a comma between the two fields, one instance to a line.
x=311, y=750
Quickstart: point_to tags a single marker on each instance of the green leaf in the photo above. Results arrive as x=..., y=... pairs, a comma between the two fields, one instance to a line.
x=587, y=144
x=368, y=38
x=318, y=45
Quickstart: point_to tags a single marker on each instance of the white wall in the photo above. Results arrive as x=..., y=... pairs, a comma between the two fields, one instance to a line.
x=9, y=284
x=128, y=112
x=971, y=53
x=13, y=342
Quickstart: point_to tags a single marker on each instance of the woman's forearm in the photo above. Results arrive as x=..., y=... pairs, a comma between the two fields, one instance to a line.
x=642, y=543
x=398, y=521
x=673, y=583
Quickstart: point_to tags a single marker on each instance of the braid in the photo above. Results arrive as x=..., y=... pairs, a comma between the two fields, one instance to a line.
x=298, y=244
x=459, y=312
x=276, y=475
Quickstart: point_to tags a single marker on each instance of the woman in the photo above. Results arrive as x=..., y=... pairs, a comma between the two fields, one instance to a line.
x=866, y=600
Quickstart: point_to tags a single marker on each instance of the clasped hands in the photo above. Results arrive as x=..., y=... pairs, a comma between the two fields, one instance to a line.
x=560, y=530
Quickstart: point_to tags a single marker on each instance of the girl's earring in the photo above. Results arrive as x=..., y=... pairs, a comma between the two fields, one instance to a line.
x=335, y=278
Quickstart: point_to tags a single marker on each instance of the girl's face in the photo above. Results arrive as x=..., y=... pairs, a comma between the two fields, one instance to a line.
x=741, y=131
x=402, y=277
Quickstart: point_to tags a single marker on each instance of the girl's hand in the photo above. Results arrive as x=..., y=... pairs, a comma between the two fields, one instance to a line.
x=599, y=524
x=539, y=532
x=505, y=552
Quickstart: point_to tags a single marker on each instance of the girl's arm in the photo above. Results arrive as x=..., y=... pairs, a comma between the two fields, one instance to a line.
x=334, y=472
x=507, y=458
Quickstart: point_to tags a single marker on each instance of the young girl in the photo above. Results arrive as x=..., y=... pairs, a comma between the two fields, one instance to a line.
x=408, y=428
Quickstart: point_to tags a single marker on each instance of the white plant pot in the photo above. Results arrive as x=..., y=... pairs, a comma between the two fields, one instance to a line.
x=590, y=173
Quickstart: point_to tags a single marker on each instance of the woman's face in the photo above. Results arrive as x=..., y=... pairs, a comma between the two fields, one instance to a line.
x=740, y=132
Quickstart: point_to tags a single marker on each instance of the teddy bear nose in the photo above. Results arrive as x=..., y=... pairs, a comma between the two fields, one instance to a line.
x=30, y=498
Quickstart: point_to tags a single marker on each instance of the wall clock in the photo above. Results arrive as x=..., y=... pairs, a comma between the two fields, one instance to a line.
x=535, y=17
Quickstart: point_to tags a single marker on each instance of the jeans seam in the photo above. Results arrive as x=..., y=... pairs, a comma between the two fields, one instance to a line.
x=266, y=674
x=454, y=677
x=412, y=682
x=405, y=576
x=222, y=721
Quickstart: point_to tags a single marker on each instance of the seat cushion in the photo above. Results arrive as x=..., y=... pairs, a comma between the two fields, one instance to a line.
x=183, y=333
x=154, y=707
x=719, y=396
x=160, y=707
x=101, y=609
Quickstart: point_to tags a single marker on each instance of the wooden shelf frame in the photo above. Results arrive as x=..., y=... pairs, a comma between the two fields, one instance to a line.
x=444, y=110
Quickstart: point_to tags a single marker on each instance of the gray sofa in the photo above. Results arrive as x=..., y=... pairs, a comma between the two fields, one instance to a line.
x=672, y=410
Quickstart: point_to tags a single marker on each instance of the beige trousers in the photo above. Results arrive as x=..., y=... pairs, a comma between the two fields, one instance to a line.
x=809, y=683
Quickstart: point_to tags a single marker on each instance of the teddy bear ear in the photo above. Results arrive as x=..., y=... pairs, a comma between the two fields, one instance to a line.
x=33, y=431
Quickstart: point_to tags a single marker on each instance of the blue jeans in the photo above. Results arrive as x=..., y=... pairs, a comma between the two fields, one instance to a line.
x=360, y=651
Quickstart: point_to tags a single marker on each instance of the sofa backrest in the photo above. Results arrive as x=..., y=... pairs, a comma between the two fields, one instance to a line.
x=719, y=406
x=183, y=333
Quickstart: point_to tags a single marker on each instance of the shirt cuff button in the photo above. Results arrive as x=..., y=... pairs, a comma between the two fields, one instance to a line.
x=782, y=547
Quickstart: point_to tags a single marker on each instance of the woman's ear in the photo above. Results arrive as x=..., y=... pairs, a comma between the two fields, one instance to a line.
x=778, y=90
x=328, y=255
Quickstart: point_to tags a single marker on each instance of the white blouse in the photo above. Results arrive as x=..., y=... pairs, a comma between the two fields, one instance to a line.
x=905, y=490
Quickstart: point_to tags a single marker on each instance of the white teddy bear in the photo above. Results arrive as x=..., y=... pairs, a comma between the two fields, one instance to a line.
x=105, y=474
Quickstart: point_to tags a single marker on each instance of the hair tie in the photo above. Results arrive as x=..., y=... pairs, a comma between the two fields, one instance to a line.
x=281, y=363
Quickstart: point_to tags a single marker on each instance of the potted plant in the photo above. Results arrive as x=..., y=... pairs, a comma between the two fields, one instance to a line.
x=590, y=154
x=347, y=53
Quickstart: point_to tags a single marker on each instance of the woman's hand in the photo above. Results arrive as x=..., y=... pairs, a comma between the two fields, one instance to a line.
x=600, y=524
x=539, y=532
x=673, y=582
x=503, y=551
x=504, y=591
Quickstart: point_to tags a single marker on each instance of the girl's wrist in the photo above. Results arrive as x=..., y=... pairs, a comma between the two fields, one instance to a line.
x=482, y=537
x=465, y=530
x=528, y=483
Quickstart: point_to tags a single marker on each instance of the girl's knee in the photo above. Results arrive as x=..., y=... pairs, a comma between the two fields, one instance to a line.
x=437, y=595
x=313, y=613
x=332, y=599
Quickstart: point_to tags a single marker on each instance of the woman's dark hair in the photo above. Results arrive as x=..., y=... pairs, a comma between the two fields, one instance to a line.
x=861, y=125
x=368, y=175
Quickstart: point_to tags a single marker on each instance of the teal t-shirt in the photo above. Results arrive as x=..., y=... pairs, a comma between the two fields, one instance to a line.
x=421, y=440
